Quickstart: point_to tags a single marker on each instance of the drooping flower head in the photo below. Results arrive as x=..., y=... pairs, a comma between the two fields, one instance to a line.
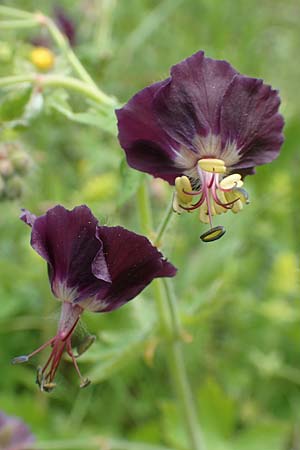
x=203, y=129
x=92, y=267
x=14, y=434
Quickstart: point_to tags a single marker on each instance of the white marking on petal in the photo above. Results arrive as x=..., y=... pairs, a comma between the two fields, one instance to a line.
x=205, y=147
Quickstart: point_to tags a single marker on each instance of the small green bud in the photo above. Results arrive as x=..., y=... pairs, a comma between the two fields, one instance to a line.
x=21, y=162
x=14, y=187
x=2, y=185
x=6, y=168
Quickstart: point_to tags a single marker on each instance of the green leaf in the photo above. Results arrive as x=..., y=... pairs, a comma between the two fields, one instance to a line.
x=13, y=105
x=129, y=183
x=173, y=428
x=96, y=116
x=263, y=436
x=217, y=409
x=111, y=358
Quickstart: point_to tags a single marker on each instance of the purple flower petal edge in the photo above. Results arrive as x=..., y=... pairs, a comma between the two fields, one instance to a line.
x=206, y=109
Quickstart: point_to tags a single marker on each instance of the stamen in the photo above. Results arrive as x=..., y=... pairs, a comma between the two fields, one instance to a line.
x=213, y=234
x=62, y=341
x=212, y=165
x=20, y=359
x=183, y=186
x=218, y=194
x=25, y=358
x=230, y=182
x=84, y=381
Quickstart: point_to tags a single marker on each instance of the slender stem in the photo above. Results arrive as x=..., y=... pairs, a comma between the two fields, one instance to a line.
x=95, y=443
x=33, y=19
x=164, y=223
x=18, y=23
x=58, y=81
x=65, y=48
x=145, y=209
x=170, y=325
x=172, y=304
x=14, y=12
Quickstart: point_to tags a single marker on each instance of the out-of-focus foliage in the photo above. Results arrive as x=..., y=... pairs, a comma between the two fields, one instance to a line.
x=238, y=297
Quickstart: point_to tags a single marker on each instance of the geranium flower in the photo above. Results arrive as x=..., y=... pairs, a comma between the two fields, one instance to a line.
x=14, y=434
x=203, y=129
x=92, y=267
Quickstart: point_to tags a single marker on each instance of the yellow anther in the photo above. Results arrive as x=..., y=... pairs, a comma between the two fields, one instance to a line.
x=182, y=185
x=231, y=196
x=212, y=165
x=175, y=205
x=232, y=181
x=42, y=58
x=237, y=206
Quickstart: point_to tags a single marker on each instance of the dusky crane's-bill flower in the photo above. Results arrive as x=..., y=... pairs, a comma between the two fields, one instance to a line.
x=203, y=129
x=14, y=434
x=92, y=267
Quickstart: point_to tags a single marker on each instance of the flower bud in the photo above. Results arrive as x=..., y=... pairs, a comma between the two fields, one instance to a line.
x=6, y=168
x=14, y=434
x=42, y=58
x=14, y=187
x=21, y=162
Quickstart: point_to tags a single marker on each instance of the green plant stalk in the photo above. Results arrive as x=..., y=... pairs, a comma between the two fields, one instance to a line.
x=164, y=224
x=95, y=443
x=28, y=20
x=14, y=12
x=18, y=23
x=58, y=81
x=170, y=326
x=66, y=50
x=145, y=213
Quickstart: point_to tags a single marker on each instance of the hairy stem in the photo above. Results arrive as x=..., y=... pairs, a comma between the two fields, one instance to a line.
x=171, y=329
x=28, y=20
x=164, y=224
x=95, y=443
x=59, y=81
x=66, y=50
x=14, y=12
x=18, y=23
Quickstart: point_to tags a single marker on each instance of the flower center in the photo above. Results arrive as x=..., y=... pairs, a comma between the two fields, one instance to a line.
x=70, y=315
x=217, y=194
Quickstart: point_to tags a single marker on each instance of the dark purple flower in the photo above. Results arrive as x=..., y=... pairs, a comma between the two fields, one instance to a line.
x=14, y=434
x=90, y=267
x=65, y=24
x=203, y=129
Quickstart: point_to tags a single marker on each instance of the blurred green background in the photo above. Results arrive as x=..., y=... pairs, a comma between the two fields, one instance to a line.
x=238, y=297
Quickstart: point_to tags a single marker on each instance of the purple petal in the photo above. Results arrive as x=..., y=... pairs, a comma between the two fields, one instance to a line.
x=27, y=217
x=189, y=104
x=65, y=24
x=15, y=434
x=133, y=263
x=250, y=118
x=148, y=148
x=67, y=241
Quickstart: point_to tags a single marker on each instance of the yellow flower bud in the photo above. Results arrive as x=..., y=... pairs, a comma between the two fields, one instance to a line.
x=42, y=58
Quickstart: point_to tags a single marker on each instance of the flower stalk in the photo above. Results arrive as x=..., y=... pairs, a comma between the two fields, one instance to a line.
x=86, y=84
x=171, y=330
x=58, y=81
x=96, y=443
